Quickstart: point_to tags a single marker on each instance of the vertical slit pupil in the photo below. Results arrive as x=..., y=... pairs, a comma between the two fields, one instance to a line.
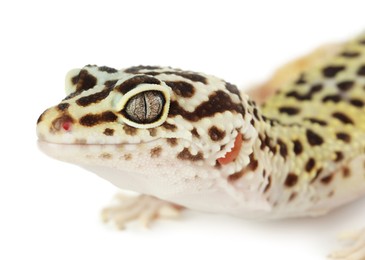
x=145, y=107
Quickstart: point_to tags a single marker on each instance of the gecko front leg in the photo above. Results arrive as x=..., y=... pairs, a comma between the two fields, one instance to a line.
x=144, y=208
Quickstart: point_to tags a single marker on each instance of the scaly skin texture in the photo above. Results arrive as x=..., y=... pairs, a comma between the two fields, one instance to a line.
x=176, y=135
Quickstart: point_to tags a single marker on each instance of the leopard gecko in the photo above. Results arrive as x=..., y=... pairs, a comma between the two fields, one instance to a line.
x=293, y=147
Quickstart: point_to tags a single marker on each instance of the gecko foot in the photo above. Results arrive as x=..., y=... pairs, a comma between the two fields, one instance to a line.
x=144, y=208
x=356, y=248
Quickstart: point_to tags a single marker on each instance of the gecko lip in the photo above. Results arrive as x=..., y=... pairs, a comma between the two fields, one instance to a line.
x=42, y=141
x=143, y=153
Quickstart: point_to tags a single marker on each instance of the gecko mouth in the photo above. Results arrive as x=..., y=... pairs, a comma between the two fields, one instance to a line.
x=158, y=149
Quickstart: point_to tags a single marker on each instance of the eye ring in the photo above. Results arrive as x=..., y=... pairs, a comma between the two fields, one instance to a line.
x=145, y=106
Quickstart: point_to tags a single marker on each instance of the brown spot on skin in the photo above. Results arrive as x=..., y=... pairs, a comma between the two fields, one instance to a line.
x=256, y=114
x=84, y=81
x=107, y=69
x=326, y=180
x=282, y=148
x=292, y=196
x=217, y=165
x=94, y=98
x=332, y=71
x=156, y=152
x=152, y=131
x=74, y=94
x=315, y=88
x=80, y=141
x=313, y=138
x=350, y=54
x=339, y=156
x=346, y=173
x=301, y=80
x=233, y=89
x=252, y=122
x=268, y=143
x=186, y=155
x=181, y=88
x=268, y=185
x=262, y=141
x=95, y=119
x=172, y=141
x=216, y=134
x=218, y=102
x=110, y=83
x=318, y=173
x=195, y=133
x=108, y=132
x=75, y=79
x=345, y=85
x=344, y=137
x=334, y=98
x=170, y=127
x=315, y=121
x=289, y=110
x=310, y=165
x=137, y=69
x=106, y=156
x=127, y=156
x=188, y=75
x=129, y=130
x=252, y=166
x=308, y=96
x=291, y=180
x=343, y=118
x=361, y=71
x=152, y=73
x=357, y=102
x=235, y=176
x=131, y=83
x=296, y=95
x=63, y=107
x=298, y=147
x=331, y=194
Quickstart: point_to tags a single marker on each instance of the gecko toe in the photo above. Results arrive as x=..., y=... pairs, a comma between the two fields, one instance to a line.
x=356, y=248
x=146, y=209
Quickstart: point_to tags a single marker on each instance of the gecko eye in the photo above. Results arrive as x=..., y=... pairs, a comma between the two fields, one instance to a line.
x=145, y=107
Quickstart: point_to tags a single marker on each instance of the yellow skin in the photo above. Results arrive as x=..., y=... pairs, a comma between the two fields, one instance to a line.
x=170, y=134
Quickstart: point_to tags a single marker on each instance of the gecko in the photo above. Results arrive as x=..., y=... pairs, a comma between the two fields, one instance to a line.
x=293, y=147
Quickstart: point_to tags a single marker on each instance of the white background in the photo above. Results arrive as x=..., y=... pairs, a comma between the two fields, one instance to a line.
x=50, y=210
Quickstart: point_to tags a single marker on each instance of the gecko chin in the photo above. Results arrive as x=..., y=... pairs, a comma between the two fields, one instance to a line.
x=153, y=168
x=150, y=168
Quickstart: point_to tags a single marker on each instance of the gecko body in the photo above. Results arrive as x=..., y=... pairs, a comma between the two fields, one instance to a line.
x=195, y=140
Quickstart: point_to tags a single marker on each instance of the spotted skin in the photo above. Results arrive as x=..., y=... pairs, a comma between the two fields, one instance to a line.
x=163, y=132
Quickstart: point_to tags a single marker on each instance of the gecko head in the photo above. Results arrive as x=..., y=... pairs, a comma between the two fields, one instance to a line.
x=144, y=117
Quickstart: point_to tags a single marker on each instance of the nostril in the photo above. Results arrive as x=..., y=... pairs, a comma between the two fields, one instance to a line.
x=67, y=125
x=63, y=122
